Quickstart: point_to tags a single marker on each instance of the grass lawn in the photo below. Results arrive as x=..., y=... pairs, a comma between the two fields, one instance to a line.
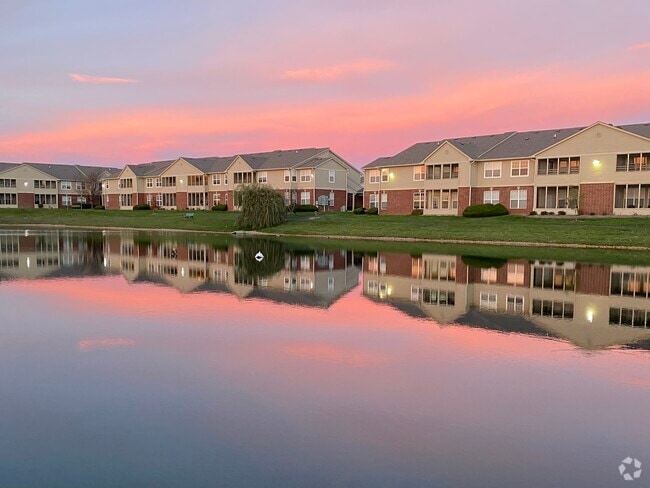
x=613, y=231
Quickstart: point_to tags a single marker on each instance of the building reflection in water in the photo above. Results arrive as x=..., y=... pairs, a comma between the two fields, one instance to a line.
x=591, y=305
x=594, y=306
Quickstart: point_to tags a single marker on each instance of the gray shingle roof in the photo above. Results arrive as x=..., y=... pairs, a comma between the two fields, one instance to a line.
x=211, y=164
x=66, y=172
x=289, y=158
x=7, y=166
x=642, y=130
x=150, y=169
x=527, y=144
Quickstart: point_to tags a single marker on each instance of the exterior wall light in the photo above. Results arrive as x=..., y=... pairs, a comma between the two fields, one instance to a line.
x=392, y=176
x=26, y=183
x=596, y=162
x=590, y=316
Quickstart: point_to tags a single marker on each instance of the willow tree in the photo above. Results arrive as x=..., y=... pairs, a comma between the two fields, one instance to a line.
x=260, y=207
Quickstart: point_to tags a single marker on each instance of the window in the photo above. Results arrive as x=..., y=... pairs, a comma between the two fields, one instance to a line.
x=66, y=200
x=126, y=200
x=629, y=317
x=519, y=168
x=492, y=169
x=44, y=184
x=216, y=179
x=67, y=185
x=373, y=176
x=305, y=175
x=331, y=199
x=419, y=173
x=557, y=197
x=287, y=198
x=514, y=304
x=305, y=198
x=384, y=175
x=442, y=171
x=168, y=199
x=488, y=275
x=80, y=185
x=384, y=201
x=631, y=284
x=488, y=301
x=372, y=200
x=632, y=196
x=518, y=199
x=287, y=176
x=243, y=178
x=332, y=176
x=555, y=277
x=44, y=199
x=553, y=308
x=633, y=162
x=490, y=196
x=106, y=184
x=418, y=200
x=159, y=200
x=149, y=182
x=158, y=182
x=559, y=166
x=7, y=183
x=196, y=180
x=262, y=177
x=515, y=274
x=124, y=183
x=196, y=199
x=215, y=199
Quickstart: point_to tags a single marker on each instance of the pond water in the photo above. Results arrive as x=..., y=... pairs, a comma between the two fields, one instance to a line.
x=171, y=360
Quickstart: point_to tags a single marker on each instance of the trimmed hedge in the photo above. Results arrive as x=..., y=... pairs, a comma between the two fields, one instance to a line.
x=142, y=206
x=305, y=208
x=359, y=211
x=417, y=211
x=372, y=211
x=485, y=210
x=222, y=207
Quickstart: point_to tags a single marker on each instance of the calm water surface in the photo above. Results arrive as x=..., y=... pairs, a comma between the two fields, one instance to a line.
x=171, y=361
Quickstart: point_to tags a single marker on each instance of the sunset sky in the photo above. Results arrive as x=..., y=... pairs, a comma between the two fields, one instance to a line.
x=118, y=81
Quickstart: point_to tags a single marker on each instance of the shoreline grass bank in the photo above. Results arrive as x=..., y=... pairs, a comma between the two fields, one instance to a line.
x=631, y=233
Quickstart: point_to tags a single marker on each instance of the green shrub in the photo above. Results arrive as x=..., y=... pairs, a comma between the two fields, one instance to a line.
x=533, y=213
x=221, y=207
x=100, y=207
x=372, y=211
x=305, y=208
x=417, y=211
x=261, y=207
x=359, y=211
x=485, y=210
x=142, y=206
x=561, y=212
x=86, y=205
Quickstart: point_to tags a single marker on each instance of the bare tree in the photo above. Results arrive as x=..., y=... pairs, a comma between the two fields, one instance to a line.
x=92, y=188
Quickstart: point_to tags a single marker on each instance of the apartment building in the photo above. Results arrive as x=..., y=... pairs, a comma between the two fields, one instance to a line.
x=33, y=185
x=594, y=306
x=314, y=176
x=600, y=169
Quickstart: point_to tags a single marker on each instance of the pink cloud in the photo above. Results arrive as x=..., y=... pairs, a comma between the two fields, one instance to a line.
x=99, y=80
x=359, y=129
x=86, y=345
x=638, y=47
x=339, y=71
